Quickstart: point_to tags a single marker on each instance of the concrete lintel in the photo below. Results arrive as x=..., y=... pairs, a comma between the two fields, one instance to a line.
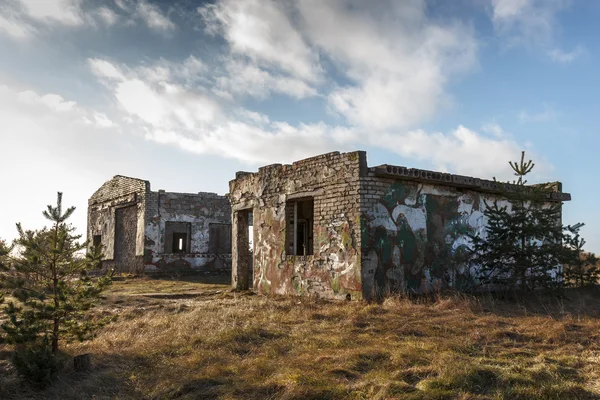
x=312, y=193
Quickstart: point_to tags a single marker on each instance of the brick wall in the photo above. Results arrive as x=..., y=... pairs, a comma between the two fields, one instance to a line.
x=376, y=230
x=117, y=193
x=332, y=181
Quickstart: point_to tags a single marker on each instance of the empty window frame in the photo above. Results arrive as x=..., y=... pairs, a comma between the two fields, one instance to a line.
x=299, y=232
x=96, y=240
x=219, y=238
x=179, y=242
x=177, y=237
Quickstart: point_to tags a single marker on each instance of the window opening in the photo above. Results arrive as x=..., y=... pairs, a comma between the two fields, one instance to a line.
x=96, y=240
x=177, y=237
x=299, y=232
x=179, y=242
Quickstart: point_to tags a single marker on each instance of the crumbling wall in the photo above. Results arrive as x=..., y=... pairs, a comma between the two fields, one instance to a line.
x=416, y=226
x=374, y=230
x=199, y=211
x=117, y=194
x=415, y=235
x=332, y=181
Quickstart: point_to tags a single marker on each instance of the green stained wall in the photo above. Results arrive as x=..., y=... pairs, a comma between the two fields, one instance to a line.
x=415, y=236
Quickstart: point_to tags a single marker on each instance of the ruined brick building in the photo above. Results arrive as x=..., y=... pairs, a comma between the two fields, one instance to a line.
x=146, y=231
x=333, y=227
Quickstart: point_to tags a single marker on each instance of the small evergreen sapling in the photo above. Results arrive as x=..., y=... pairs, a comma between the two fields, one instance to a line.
x=523, y=241
x=4, y=262
x=48, y=289
x=580, y=268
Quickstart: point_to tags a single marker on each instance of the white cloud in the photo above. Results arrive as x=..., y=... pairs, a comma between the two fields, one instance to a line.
x=13, y=27
x=104, y=69
x=52, y=106
x=166, y=112
x=462, y=151
x=397, y=61
x=529, y=22
x=51, y=101
x=250, y=142
x=566, y=57
x=153, y=16
x=509, y=9
x=48, y=145
x=253, y=116
x=264, y=32
x=149, y=94
x=66, y=12
x=494, y=129
x=244, y=78
x=108, y=16
x=190, y=71
x=102, y=121
x=546, y=115
x=23, y=18
x=533, y=23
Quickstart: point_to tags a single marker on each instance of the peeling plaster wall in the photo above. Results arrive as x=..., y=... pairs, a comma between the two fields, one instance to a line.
x=415, y=235
x=332, y=180
x=117, y=193
x=199, y=210
x=376, y=230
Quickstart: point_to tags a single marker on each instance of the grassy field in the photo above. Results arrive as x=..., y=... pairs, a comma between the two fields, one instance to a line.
x=188, y=339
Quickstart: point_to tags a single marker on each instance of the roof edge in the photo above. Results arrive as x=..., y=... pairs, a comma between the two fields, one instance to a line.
x=468, y=182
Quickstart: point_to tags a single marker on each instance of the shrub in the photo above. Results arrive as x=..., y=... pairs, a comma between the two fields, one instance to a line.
x=37, y=364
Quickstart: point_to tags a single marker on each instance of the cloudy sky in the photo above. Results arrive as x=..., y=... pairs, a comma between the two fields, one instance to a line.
x=185, y=93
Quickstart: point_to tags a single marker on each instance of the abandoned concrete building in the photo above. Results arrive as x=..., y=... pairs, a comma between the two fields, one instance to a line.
x=145, y=231
x=333, y=227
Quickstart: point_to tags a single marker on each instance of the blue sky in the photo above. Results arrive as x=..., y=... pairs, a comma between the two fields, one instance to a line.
x=186, y=93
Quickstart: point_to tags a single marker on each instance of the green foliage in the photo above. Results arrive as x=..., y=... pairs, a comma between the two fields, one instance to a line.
x=581, y=268
x=4, y=262
x=523, y=242
x=37, y=364
x=4, y=252
x=49, y=291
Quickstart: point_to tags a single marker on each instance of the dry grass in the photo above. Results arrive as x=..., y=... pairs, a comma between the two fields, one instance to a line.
x=217, y=344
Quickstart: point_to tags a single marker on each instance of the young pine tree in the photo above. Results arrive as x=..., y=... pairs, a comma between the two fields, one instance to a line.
x=580, y=268
x=47, y=287
x=522, y=246
x=4, y=261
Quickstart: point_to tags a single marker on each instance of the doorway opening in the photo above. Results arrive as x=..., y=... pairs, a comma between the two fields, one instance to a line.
x=243, y=263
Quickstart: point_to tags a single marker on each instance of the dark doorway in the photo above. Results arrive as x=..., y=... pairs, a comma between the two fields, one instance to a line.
x=243, y=250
